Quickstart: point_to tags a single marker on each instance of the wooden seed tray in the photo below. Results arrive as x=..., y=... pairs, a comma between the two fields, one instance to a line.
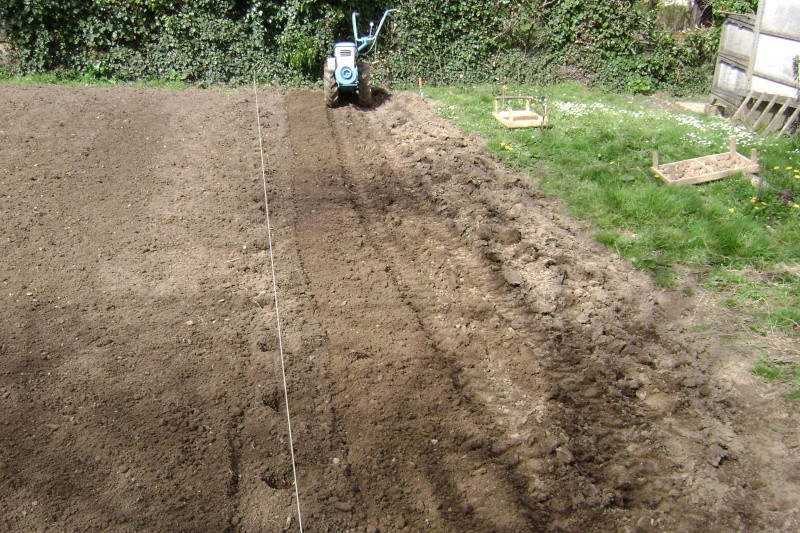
x=707, y=168
x=519, y=118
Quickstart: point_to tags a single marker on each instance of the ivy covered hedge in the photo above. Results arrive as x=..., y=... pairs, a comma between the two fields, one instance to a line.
x=616, y=42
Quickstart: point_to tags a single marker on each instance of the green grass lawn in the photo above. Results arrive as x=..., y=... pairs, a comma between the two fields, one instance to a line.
x=783, y=371
x=87, y=80
x=738, y=241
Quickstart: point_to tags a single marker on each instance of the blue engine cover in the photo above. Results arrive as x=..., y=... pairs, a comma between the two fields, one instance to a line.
x=347, y=76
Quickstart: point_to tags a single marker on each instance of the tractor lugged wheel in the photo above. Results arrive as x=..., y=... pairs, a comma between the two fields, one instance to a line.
x=364, y=85
x=331, y=88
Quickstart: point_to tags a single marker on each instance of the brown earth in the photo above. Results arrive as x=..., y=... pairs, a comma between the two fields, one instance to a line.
x=460, y=354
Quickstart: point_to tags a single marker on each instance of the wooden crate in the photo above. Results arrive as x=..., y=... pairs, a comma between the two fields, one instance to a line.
x=519, y=118
x=707, y=168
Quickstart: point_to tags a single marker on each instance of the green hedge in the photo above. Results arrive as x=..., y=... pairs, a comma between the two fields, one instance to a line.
x=615, y=42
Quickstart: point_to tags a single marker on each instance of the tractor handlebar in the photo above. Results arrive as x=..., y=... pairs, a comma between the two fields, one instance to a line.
x=368, y=40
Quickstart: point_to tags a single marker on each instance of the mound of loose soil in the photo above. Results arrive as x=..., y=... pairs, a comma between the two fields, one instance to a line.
x=461, y=356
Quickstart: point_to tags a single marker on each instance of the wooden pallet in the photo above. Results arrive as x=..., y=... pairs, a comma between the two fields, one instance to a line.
x=774, y=113
x=706, y=168
x=519, y=118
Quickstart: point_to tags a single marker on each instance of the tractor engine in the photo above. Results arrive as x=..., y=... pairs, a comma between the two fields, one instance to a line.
x=345, y=69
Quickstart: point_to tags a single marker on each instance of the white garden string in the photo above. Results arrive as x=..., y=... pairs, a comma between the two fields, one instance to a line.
x=277, y=311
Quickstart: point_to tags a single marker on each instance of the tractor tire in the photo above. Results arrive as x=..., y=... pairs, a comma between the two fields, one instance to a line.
x=331, y=88
x=364, y=85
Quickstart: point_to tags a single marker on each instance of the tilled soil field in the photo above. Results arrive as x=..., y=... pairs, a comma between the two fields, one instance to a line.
x=460, y=354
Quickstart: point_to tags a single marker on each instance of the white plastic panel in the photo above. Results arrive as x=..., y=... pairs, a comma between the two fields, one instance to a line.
x=763, y=85
x=775, y=57
x=736, y=40
x=731, y=79
x=781, y=16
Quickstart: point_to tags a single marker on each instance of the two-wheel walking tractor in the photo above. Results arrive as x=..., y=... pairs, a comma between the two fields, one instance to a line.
x=346, y=71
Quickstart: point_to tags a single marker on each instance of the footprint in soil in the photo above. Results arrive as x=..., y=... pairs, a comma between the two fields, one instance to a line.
x=272, y=399
x=277, y=480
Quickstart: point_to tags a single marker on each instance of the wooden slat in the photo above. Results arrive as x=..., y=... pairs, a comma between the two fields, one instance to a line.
x=776, y=122
x=749, y=107
x=790, y=121
x=765, y=113
x=742, y=106
x=754, y=109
